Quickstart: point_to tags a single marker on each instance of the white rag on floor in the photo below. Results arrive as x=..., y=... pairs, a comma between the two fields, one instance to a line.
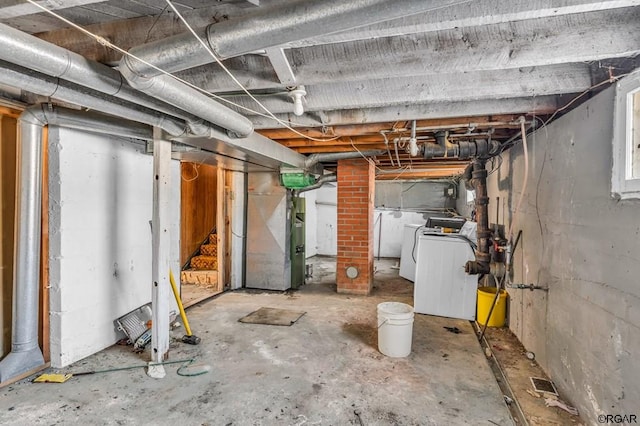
x=551, y=402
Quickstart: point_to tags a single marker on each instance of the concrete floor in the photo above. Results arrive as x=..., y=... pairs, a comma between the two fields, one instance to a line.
x=321, y=371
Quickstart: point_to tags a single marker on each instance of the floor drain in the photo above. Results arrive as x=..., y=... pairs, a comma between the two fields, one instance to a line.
x=543, y=385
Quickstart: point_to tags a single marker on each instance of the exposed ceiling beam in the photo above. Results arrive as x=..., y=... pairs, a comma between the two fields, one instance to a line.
x=354, y=130
x=440, y=172
x=458, y=87
x=520, y=44
x=470, y=14
x=16, y=8
x=324, y=149
x=281, y=66
x=371, y=142
x=541, y=105
x=366, y=142
x=417, y=163
x=477, y=122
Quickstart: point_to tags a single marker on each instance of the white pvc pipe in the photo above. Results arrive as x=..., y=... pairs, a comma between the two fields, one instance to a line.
x=524, y=182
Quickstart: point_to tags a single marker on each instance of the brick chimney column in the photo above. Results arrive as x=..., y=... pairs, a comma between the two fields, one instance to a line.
x=356, y=191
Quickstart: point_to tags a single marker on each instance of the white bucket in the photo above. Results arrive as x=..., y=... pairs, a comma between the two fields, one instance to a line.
x=395, y=329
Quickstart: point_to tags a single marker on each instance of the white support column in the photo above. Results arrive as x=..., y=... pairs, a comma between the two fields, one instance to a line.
x=238, y=210
x=221, y=227
x=161, y=240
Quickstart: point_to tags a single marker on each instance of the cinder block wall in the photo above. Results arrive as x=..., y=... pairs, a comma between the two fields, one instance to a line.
x=356, y=185
x=101, y=203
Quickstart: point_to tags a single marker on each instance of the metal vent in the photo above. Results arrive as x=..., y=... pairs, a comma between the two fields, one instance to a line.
x=543, y=385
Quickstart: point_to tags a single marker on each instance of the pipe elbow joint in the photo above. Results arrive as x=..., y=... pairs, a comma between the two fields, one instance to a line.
x=474, y=267
x=127, y=66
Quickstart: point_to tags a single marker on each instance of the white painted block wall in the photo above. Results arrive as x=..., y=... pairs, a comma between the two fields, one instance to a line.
x=392, y=230
x=327, y=214
x=101, y=198
x=310, y=224
x=237, y=211
x=322, y=219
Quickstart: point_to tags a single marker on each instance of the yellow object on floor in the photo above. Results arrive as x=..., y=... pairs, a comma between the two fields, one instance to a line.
x=486, y=297
x=52, y=378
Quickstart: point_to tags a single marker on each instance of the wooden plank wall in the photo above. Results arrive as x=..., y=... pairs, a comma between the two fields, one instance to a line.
x=198, y=206
x=8, y=196
x=8, y=170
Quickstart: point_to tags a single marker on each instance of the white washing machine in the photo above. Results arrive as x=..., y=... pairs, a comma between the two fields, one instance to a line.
x=442, y=287
x=408, y=252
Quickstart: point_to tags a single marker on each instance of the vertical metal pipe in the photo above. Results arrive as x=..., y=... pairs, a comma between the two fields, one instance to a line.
x=483, y=258
x=482, y=210
x=25, y=353
x=27, y=236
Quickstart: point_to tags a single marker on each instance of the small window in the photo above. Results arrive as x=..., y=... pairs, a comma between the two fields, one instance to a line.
x=625, y=177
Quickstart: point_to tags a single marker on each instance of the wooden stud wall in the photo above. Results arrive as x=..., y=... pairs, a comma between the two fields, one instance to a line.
x=198, y=206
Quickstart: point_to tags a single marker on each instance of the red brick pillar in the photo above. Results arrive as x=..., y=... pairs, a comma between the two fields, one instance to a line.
x=356, y=184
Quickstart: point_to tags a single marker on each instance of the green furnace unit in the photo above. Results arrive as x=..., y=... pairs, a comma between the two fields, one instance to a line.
x=297, y=242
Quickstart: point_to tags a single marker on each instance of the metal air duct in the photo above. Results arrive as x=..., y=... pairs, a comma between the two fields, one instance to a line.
x=322, y=180
x=271, y=153
x=166, y=95
x=25, y=353
x=182, y=96
x=44, y=85
x=314, y=159
x=31, y=52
